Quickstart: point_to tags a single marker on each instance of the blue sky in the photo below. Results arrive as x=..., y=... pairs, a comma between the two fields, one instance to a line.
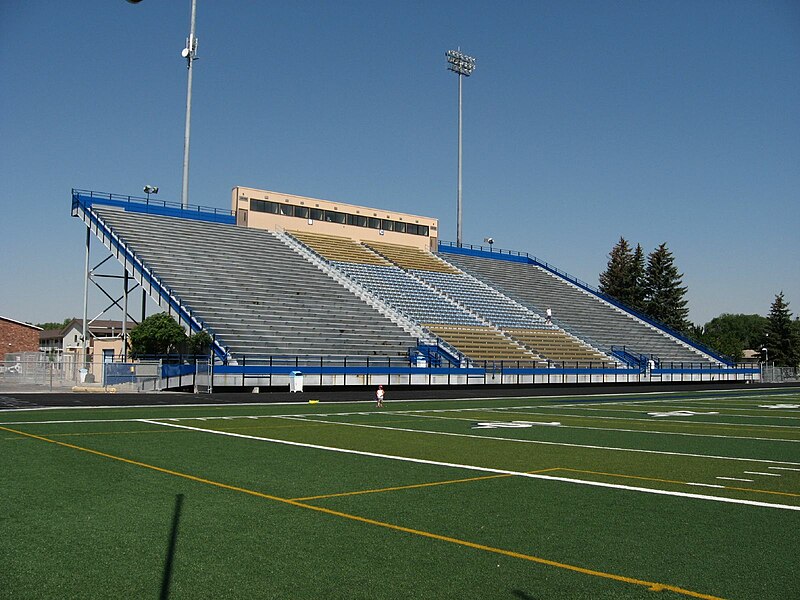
x=672, y=122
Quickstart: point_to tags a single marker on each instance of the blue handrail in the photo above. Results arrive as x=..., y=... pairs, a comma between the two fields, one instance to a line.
x=91, y=197
x=450, y=246
x=166, y=292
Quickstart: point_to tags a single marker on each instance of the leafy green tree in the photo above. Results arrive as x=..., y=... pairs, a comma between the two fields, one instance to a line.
x=199, y=344
x=664, y=295
x=733, y=334
x=781, y=339
x=157, y=334
x=55, y=325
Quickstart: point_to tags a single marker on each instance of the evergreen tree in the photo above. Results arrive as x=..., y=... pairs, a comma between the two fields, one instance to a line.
x=637, y=292
x=615, y=280
x=623, y=278
x=782, y=342
x=664, y=296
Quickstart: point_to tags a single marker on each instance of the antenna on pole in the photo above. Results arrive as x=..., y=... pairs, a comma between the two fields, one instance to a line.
x=190, y=54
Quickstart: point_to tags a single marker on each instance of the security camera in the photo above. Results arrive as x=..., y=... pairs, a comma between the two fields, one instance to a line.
x=150, y=189
x=489, y=240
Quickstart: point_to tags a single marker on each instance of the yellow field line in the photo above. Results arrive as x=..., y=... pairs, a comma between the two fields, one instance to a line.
x=739, y=489
x=650, y=585
x=414, y=485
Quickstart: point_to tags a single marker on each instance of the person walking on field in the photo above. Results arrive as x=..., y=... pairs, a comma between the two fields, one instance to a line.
x=379, y=396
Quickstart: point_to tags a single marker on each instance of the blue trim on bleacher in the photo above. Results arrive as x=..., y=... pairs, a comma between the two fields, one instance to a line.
x=195, y=324
x=448, y=247
x=152, y=206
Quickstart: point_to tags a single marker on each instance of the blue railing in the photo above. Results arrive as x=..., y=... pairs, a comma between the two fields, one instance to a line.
x=155, y=206
x=524, y=257
x=147, y=277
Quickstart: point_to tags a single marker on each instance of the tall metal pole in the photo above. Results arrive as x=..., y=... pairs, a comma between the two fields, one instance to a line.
x=463, y=66
x=190, y=54
x=125, y=314
x=85, y=328
x=458, y=211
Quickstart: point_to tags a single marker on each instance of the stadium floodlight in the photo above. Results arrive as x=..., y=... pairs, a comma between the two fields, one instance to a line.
x=460, y=63
x=463, y=66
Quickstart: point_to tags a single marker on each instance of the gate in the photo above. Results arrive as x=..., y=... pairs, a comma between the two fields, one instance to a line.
x=203, y=376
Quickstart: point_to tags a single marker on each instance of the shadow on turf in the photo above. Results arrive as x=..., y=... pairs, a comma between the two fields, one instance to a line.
x=522, y=595
x=173, y=540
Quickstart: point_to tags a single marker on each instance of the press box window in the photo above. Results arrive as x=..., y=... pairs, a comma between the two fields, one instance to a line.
x=263, y=206
x=357, y=220
x=374, y=223
x=387, y=225
x=317, y=214
x=335, y=217
x=301, y=211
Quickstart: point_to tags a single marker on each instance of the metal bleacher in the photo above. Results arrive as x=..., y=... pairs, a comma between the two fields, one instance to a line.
x=302, y=294
x=578, y=311
x=253, y=291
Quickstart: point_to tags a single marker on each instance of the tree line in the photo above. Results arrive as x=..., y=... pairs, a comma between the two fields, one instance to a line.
x=654, y=287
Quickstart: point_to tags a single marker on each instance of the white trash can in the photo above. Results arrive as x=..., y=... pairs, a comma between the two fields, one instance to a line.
x=295, y=381
x=83, y=373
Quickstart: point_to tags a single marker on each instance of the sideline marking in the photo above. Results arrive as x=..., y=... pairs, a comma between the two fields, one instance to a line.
x=783, y=469
x=735, y=479
x=650, y=585
x=757, y=473
x=486, y=469
x=415, y=485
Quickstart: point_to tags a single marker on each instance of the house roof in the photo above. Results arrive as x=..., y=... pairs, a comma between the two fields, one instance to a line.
x=20, y=323
x=98, y=328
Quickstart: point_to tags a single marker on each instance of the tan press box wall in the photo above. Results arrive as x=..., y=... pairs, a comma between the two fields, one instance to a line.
x=240, y=204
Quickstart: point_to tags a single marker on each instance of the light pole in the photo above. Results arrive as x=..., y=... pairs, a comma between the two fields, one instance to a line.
x=190, y=54
x=463, y=66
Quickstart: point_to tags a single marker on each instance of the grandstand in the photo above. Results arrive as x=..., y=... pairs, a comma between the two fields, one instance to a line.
x=341, y=289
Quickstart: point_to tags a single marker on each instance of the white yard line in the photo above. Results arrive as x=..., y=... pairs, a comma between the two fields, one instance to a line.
x=544, y=443
x=772, y=414
x=783, y=469
x=485, y=469
x=759, y=473
x=649, y=420
x=735, y=479
x=562, y=426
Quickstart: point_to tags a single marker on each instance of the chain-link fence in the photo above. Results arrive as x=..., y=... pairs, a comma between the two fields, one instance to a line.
x=38, y=372
x=773, y=374
x=34, y=371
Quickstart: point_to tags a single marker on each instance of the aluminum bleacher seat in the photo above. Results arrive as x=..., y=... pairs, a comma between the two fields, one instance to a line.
x=256, y=294
x=578, y=311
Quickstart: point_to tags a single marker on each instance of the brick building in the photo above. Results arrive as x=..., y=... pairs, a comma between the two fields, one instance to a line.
x=16, y=336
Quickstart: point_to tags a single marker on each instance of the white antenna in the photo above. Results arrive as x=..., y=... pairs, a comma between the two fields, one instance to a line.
x=190, y=54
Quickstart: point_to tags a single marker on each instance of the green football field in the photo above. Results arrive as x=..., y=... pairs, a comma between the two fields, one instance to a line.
x=671, y=495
